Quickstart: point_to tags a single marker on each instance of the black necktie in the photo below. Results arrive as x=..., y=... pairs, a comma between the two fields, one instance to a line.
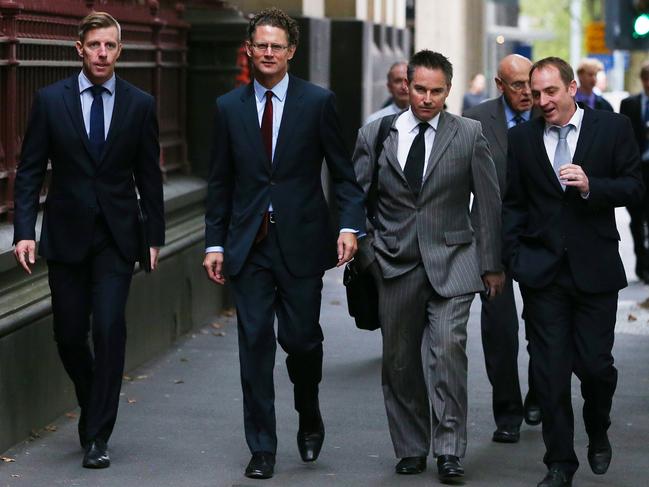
x=97, y=135
x=267, y=125
x=414, y=168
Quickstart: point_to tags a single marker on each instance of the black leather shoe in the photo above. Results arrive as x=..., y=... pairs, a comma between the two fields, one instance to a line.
x=309, y=441
x=261, y=465
x=507, y=434
x=599, y=455
x=556, y=478
x=411, y=465
x=532, y=410
x=449, y=468
x=96, y=455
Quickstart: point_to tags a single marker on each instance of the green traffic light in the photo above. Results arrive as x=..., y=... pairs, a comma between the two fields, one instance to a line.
x=641, y=26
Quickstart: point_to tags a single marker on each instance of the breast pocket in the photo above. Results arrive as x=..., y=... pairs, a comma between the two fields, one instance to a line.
x=458, y=237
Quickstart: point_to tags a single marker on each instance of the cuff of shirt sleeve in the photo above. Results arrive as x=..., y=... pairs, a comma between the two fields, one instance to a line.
x=348, y=230
x=216, y=248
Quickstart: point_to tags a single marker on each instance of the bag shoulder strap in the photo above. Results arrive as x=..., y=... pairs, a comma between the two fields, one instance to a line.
x=384, y=131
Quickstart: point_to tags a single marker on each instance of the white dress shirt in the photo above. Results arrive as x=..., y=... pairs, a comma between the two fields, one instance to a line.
x=551, y=137
x=408, y=127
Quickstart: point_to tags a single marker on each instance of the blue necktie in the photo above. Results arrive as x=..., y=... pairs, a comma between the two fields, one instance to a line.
x=562, y=153
x=97, y=135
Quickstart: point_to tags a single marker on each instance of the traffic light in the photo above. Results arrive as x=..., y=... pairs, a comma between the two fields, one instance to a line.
x=627, y=24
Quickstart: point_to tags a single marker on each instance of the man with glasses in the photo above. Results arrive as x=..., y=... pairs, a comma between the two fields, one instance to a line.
x=499, y=319
x=268, y=229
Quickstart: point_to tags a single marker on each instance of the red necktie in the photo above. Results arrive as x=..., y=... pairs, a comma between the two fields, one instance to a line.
x=267, y=125
x=267, y=137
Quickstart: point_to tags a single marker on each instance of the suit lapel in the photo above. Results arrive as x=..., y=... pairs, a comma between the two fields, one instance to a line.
x=499, y=126
x=72, y=100
x=293, y=105
x=587, y=134
x=251, y=124
x=390, y=149
x=122, y=102
x=538, y=148
x=446, y=130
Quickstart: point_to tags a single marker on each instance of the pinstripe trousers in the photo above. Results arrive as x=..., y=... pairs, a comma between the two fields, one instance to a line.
x=424, y=374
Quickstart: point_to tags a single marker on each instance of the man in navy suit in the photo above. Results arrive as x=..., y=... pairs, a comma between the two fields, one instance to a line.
x=268, y=228
x=100, y=135
x=567, y=171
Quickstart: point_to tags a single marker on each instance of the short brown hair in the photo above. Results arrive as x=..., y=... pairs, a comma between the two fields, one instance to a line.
x=98, y=20
x=565, y=70
x=276, y=18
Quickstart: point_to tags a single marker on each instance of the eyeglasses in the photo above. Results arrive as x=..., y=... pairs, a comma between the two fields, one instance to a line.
x=516, y=85
x=275, y=48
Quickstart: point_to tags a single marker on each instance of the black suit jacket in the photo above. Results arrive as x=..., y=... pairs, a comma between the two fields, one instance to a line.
x=81, y=185
x=243, y=182
x=542, y=223
x=632, y=108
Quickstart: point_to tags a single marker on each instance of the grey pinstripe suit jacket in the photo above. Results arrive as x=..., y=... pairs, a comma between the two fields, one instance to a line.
x=434, y=228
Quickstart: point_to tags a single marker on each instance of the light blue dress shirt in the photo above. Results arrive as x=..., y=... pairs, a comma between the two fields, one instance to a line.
x=511, y=114
x=108, y=98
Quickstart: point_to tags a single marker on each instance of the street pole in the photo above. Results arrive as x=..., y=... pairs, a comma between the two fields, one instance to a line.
x=575, y=32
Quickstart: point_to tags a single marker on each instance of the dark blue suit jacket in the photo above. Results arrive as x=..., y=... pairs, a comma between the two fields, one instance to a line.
x=243, y=182
x=542, y=224
x=83, y=185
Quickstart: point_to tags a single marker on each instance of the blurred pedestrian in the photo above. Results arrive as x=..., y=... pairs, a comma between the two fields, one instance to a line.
x=398, y=87
x=636, y=107
x=587, y=74
x=476, y=93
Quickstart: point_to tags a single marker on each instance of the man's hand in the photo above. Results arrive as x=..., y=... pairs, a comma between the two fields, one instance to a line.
x=213, y=264
x=574, y=175
x=154, y=252
x=494, y=281
x=347, y=247
x=25, y=253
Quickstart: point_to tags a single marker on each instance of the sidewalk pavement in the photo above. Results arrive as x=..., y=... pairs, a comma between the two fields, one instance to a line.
x=180, y=422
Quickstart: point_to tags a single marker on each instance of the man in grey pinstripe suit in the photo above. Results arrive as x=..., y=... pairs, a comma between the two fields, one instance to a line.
x=428, y=263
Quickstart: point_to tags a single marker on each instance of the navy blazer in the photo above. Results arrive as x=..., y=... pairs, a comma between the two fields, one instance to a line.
x=243, y=182
x=542, y=224
x=83, y=185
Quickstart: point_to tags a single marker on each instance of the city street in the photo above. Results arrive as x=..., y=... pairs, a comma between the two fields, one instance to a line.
x=180, y=421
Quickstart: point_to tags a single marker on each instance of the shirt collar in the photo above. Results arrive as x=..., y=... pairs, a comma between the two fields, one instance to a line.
x=85, y=83
x=279, y=90
x=511, y=114
x=575, y=121
x=411, y=121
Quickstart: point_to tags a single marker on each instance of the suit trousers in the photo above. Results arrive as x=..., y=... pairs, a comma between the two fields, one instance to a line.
x=97, y=286
x=424, y=373
x=499, y=326
x=571, y=331
x=263, y=289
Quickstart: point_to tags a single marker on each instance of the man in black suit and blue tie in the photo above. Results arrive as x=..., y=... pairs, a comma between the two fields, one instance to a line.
x=268, y=228
x=100, y=135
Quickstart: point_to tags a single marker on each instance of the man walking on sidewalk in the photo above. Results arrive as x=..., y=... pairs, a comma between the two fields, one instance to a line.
x=268, y=229
x=427, y=263
x=499, y=318
x=567, y=172
x=100, y=134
